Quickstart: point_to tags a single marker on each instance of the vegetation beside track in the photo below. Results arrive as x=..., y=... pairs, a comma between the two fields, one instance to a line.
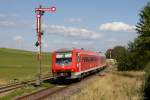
x=23, y=91
x=113, y=86
x=136, y=56
x=19, y=65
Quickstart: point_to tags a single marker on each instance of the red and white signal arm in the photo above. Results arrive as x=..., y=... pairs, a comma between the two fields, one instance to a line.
x=53, y=9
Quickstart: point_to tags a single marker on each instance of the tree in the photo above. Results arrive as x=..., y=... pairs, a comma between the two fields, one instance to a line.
x=143, y=27
x=146, y=85
x=121, y=55
x=142, y=42
x=142, y=45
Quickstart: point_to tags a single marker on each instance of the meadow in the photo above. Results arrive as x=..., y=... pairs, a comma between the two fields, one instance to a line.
x=21, y=65
x=113, y=86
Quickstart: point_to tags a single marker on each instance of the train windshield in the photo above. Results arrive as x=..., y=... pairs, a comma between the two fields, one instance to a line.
x=64, y=58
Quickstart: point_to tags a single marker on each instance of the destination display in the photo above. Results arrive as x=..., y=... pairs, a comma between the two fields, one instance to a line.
x=63, y=55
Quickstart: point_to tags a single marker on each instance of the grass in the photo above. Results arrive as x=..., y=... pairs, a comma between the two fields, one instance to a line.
x=113, y=86
x=24, y=91
x=21, y=65
x=18, y=92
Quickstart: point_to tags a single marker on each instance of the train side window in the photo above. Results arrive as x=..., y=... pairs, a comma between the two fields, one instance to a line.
x=84, y=59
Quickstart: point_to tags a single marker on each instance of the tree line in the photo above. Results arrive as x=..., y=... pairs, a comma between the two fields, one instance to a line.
x=136, y=56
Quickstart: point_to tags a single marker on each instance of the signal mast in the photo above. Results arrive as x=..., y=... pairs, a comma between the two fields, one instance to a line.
x=39, y=13
x=110, y=53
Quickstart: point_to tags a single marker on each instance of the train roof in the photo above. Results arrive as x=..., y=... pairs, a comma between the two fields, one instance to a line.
x=81, y=51
x=64, y=50
x=68, y=50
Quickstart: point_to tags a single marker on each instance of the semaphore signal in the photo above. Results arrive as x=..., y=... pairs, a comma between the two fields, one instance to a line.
x=39, y=13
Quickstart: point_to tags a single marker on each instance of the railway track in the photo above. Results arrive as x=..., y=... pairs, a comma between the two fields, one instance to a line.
x=44, y=93
x=10, y=87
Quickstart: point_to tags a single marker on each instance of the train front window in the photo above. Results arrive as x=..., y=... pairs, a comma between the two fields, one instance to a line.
x=63, y=58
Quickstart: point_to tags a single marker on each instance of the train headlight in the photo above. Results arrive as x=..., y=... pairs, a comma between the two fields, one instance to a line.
x=72, y=70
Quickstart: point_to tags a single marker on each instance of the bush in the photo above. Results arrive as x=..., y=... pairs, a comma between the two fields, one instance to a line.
x=147, y=83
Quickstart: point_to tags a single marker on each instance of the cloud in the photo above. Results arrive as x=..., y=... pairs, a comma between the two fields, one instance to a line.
x=15, y=24
x=117, y=27
x=3, y=15
x=75, y=43
x=72, y=32
x=18, y=38
x=6, y=23
x=112, y=40
x=11, y=20
x=82, y=42
x=8, y=20
x=74, y=20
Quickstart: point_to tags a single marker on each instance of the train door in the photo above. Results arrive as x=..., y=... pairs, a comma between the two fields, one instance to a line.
x=78, y=61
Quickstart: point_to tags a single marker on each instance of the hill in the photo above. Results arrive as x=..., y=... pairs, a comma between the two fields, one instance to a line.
x=20, y=64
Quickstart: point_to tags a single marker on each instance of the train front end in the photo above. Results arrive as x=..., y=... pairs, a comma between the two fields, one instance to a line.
x=63, y=64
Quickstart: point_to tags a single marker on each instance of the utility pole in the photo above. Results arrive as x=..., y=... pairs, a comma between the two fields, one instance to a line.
x=110, y=53
x=39, y=13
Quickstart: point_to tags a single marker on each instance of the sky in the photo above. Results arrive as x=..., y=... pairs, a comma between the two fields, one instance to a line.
x=91, y=24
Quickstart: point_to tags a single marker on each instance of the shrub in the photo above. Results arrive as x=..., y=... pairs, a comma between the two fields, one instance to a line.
x=147, y=83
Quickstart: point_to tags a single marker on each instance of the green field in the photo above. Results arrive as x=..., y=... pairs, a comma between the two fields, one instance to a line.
x=21, y=65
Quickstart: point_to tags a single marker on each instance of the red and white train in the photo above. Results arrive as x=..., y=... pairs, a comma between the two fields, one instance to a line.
x=76, y=63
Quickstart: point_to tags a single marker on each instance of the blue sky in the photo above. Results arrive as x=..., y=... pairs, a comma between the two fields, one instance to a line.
x=89, y=24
